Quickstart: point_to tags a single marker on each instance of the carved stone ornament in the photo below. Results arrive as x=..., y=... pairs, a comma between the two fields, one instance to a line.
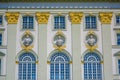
x=91, y=41
x=42, y=18
x=59, y=41
x=105, y=17
x=27, y=41
x=12, y=17
x=76, y=17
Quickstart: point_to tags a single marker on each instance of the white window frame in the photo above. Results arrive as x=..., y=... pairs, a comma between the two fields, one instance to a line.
x=53, y=15
x=2, y=32
x=26, y=14
x=115, y=20
x=117, y=31
x=88, y=14
x=116, y=62
x=2, y=68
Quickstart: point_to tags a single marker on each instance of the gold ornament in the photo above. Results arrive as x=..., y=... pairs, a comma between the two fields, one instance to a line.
x=91, y=48
x=60, y=48
x=12, y=17
x=17, y=62
x=27, y=32
x=101, y=62
x=76, y=17
x=105, y=17
x=27, y=48
x=36, y=62
x=59, y=32
x=70, y=62
x=91, y=32
x=42, y=17
x=48, y=62
x=82, y=62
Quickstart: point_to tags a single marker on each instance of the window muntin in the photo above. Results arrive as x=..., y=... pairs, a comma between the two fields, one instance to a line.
x=118, y=20
x=0, y=39
x=28, y=22
x=1, y=20
x=90, y=22
x=118, y=38
x=59, y=22
x=59, y=67
x=27, y=67
x=92, y=67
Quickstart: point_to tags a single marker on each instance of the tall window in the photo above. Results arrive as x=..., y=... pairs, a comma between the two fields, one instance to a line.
x=92, y=67
x=1, y=20
x=0, y=39
x=59, y=22
x=119, y=66
x=118, y=39
x=59, y=67
x=27, y=67
x=91, y=22
x=118, y=19
x=28, y=22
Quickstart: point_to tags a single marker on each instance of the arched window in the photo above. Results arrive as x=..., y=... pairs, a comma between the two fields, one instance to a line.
x=59, y=67
x=27, y=67
x=92, y=67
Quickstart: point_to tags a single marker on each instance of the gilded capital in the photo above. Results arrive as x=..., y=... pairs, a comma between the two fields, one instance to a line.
x=42, y=17
x=76, y=17
x=105, y=17
x=12, y=17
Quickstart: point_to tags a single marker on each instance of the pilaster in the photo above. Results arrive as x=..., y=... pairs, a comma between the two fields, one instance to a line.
x=12, y=19
x=105, y=18
x=75, y=18
x=42, y=19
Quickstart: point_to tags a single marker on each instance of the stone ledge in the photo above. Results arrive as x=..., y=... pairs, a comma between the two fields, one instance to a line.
x=116, y=46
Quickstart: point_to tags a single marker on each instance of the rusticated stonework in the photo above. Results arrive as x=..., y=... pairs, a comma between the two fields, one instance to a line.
x=42, y=17
x=105, y=17
x=12, y=17
x=76, y=17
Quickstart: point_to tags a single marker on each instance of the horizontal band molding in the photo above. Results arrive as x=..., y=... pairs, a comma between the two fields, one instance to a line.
x=59, y=0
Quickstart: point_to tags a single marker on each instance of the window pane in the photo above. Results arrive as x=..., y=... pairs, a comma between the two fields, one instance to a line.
x=119, y=66
x=92, y=67
x=117, y=19
x=118, y=39
x=28, y=22
x=27, y=67
x=59, y=22
x=59, y=67
x=90, y=22
x=1, y=20
x=0, y=39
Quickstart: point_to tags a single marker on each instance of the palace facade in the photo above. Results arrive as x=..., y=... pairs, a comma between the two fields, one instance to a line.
x=60, y=40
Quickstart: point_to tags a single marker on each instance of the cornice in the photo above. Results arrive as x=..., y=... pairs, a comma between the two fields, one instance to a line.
x=56, y=5
x=60, y=1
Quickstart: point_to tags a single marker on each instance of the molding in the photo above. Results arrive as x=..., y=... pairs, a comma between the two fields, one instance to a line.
x=105, y=17
x=76, y=17
x=42, y=17
x=3, y=47
x=12, y=17
x=116, y=46
x=117, y=30
x=60, y=1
